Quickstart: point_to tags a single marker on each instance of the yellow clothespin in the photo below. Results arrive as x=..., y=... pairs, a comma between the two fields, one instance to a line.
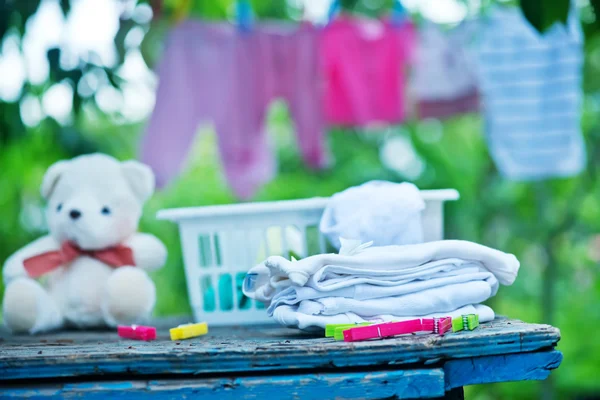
x=188, y=331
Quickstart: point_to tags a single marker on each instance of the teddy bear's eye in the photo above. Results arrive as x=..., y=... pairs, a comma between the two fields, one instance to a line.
x=59, y=207
x=105, y=210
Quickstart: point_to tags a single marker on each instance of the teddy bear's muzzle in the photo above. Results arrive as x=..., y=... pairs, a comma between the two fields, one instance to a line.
x=74, y=214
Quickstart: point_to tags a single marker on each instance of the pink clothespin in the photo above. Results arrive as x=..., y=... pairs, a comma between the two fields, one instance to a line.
x=433, y=325
x=442, y=325
x=137, y=332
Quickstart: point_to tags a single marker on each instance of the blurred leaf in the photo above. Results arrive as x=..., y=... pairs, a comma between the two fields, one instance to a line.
x=556, y=11
x=77, y=102
x=53, y=56
x=275, y=9
x=216, y=9
x=58, y=74
x=542, y=14
x=125, y=26
x=348, y=4
x=65, y=6
x=114, y=79
x=6, y=10
x=25, y=9
x=11, y=126
x=152, y=44
x=596, y=7
x=74, y=142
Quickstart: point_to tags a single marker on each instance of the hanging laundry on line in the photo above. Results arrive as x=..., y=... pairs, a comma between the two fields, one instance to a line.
x=444, y=81
x=213, y=72
x=363, y=62
x=531, y=86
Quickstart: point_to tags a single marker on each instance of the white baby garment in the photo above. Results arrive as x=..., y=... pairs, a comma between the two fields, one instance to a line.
x=532, y=91
x=400, y=262
x=382, y=212
x=440, y=299
x=444, y=81
x=332, y=277
x=294, y=294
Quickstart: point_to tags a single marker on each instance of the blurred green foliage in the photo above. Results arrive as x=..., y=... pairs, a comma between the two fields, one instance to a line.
x=553, y=227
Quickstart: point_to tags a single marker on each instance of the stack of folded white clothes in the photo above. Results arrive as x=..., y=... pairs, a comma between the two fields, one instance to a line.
x=365, y=283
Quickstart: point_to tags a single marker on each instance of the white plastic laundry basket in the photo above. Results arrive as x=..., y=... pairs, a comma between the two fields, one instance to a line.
x=221, y=243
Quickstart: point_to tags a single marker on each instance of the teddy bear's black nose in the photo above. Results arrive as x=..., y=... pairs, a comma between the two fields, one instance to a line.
x=74, y=214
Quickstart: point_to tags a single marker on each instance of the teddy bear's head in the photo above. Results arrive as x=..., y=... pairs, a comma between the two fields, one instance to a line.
x=94, y=200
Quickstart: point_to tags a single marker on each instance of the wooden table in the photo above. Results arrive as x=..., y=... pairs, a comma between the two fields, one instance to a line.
x=269, y=362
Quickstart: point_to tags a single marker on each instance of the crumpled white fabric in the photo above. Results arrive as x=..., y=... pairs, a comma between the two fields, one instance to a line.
x=383, y=212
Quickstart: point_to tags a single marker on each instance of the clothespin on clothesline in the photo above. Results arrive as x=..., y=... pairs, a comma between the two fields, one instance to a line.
x=333, y=10
x=398, y=11
x=243, y=12
x=243, y=15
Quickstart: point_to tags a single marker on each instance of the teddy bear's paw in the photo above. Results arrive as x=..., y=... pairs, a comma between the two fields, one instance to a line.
x=130, y=297
x=20, y=306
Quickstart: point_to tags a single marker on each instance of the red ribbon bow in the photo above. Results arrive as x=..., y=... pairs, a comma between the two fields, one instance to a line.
x=41, y=264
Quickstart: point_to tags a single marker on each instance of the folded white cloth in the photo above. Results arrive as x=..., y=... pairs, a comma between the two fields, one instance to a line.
x=290, y=316
x=379, y=284
x=395, y=265
x=383, y=212
x=440, y=299
x=332, y=277
x=361, y=292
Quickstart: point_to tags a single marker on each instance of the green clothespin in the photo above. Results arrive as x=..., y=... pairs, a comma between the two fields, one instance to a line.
x=465, y=322
x=331, y=329
x=472, y=321
x=338, y=334
x=457, y=324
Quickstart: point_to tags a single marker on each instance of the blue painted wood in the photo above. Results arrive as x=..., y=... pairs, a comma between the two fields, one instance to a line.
x=398, y=384
x=505, y=368
x=411, y=384
x=243, y=349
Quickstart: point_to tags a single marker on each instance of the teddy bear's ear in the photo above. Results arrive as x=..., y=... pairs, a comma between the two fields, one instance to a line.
x=140, y=178
x=51, y=178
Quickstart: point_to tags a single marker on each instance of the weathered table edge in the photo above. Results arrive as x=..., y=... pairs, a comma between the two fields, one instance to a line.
x=331, y=357
x=432, y=382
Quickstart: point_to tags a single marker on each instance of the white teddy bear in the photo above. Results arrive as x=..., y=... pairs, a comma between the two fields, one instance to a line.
x=93, y=263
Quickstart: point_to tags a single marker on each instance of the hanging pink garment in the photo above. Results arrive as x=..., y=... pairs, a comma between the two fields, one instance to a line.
x=292, y=72
x=215, y=73
x=364, y=61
